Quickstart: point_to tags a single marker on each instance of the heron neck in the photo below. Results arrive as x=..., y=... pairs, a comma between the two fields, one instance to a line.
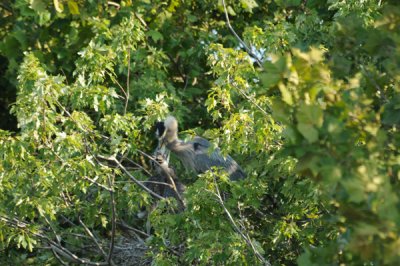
x=184, y=151
x=172, y=145
x=178, y=146
x=172, y=138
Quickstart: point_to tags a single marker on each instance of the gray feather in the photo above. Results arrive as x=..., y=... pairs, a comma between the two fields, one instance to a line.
x=195, y=156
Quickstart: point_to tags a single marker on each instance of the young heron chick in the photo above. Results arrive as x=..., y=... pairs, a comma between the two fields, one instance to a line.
x=194, y=153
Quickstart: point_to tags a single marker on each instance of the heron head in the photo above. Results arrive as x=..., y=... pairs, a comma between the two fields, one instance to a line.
x=166, y=132
x=160, y=130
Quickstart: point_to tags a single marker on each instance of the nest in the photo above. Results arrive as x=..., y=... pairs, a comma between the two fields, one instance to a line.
x=131, y=252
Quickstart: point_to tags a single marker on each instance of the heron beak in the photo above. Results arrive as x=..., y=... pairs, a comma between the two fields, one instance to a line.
x=161, y=146
x=162, y=149
x=161, y=142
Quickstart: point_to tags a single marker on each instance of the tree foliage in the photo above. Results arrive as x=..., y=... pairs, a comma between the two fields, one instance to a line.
x=303, y=94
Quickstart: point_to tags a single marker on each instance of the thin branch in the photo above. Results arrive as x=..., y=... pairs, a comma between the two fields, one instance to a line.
x=54, y=245
x=173, y=186
x=113, y=211
x=58, y=257
x=149, y=157
x=85, y=130
x=114, y=4
x=127, y=81
x=245, y=237
x=68, y=220
x=131, y=176
x=113, y=221
x=71, y=256
x=141, y=20
x=66, y=80
x=250, y=99
x=78, y=235
x=136, y=164
x=87, y=230
x=157, y=183
x=58, y=238
x=6, y=7
x=184, y=76
x=125, y=225
x=97, y=183
x=186, y=82
x=170, y=179
x=248, y=50
x=120, y=86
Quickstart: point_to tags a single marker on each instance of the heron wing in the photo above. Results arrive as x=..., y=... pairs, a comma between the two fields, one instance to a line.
x=204, y=161
x=200, y=143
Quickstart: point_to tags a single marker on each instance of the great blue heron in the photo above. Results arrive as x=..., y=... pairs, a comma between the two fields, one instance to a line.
x=194, y=154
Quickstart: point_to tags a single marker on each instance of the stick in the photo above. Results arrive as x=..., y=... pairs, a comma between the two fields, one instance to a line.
x=131, y=176
x=127, y=81
x=114, y=220
x=245, y=237
x=248, y=50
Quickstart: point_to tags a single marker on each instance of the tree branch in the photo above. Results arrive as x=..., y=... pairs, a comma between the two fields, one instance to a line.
x=248, y=50
x=141, y=20
x=6, y=7
x=97, y=184
x=58, y=257
x=169, y=177
x=62, y=251
x=113, y=221
x=127, y=81
x=125, y=225
x=173, y=186
x=87, y=230
x=131, y=176
x=245, y=237
x=249, y=98
x=114, y=4
x=120, y=86
x=136, y=164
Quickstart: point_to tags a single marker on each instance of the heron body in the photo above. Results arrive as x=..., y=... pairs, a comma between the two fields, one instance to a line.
x=194, y=154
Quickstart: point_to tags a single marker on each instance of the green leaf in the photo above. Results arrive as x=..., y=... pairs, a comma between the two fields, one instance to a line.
x=308, y=131
x=38, y=5
x=331, y=174
x=155, y=35
x=391, y=112
x=103, y=220
x=273, y=71
x=288, y=3
x=249, y=5
x=305, y=259
x=310, y=114
x=354, y=188
x=280, y=111
x=231, y=11
x=286, y=95
x=73, y=7
x=270, y=79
